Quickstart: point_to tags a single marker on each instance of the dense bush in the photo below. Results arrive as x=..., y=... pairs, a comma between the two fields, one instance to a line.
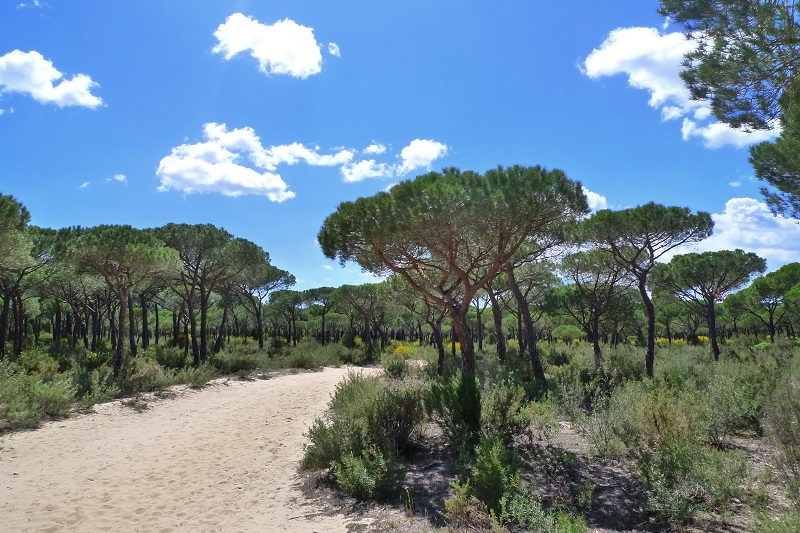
x=373, y=475
x=455, y=404
x=361, y=438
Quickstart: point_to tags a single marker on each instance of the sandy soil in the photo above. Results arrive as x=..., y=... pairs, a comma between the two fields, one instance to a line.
x=223, y=458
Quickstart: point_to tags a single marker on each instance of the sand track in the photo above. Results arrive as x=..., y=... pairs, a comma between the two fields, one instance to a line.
x=223, y=458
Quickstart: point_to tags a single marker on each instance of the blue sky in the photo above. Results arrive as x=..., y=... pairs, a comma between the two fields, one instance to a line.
x=261, y=117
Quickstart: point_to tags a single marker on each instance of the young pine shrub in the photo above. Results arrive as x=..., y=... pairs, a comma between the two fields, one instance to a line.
x=455, y=404
x=505, y=411
x=493, y=472
x=524, y=511
x=371, y=475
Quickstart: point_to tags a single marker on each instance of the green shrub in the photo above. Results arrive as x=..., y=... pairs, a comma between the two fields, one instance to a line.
x=663, y=431
x=493, y=471
x=455, y=405
x=196, y=377
x=525, y=512
x=145, y=375
x=234, y=362
x=395, y=365
x=171, y=357
x=372, y=475
x=16, y=408
x=349, y=339
x=465, y=512
x=96, y=386
x=505, y=411
x=557, y=356
x=53, y=398
x=730, y=401
x=367, y=426
x=783, y=429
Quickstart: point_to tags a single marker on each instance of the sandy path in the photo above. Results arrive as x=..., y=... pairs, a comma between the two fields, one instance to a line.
x=220, y=459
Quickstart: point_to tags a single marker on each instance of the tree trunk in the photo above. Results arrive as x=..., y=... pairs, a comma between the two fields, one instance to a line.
x=155, y=308
x=530, y=332
x=650, y=356
x=145, y=324
x=220, y=342
x=119, y=353
x=131, y=326
x=204, y=297
x=4, y=323
x=193, y=326
x=497, y=315
x=711, y=319
x=598, y=354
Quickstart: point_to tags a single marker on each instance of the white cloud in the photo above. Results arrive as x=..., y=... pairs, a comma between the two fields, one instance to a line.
x=375, y=148
x=735, y=184
x=389, y=187
x=121, y=178
x=596, y=201
x=652, y=61
x=281, y=48
x=30, y=73
x=333, y=49
x=420, y=153
x=748, y=224
x=717, y=135
x=327, y=267
x=84, y=185
x=219, y=164
x=364, y=169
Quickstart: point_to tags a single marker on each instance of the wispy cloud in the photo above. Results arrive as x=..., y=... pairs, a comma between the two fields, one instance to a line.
x=419, y=154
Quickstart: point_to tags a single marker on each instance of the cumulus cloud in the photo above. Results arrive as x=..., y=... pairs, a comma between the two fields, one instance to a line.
x=30, y=73
x=596, y=201
x=717, y=135
x=333, y=49
x=735, y=184
x=748, y=224
x=281, y=48
x=419, y=154
x=120, y=178
x=651, y=60
x=220, y=164
x=375, y=148
x=364, y=169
